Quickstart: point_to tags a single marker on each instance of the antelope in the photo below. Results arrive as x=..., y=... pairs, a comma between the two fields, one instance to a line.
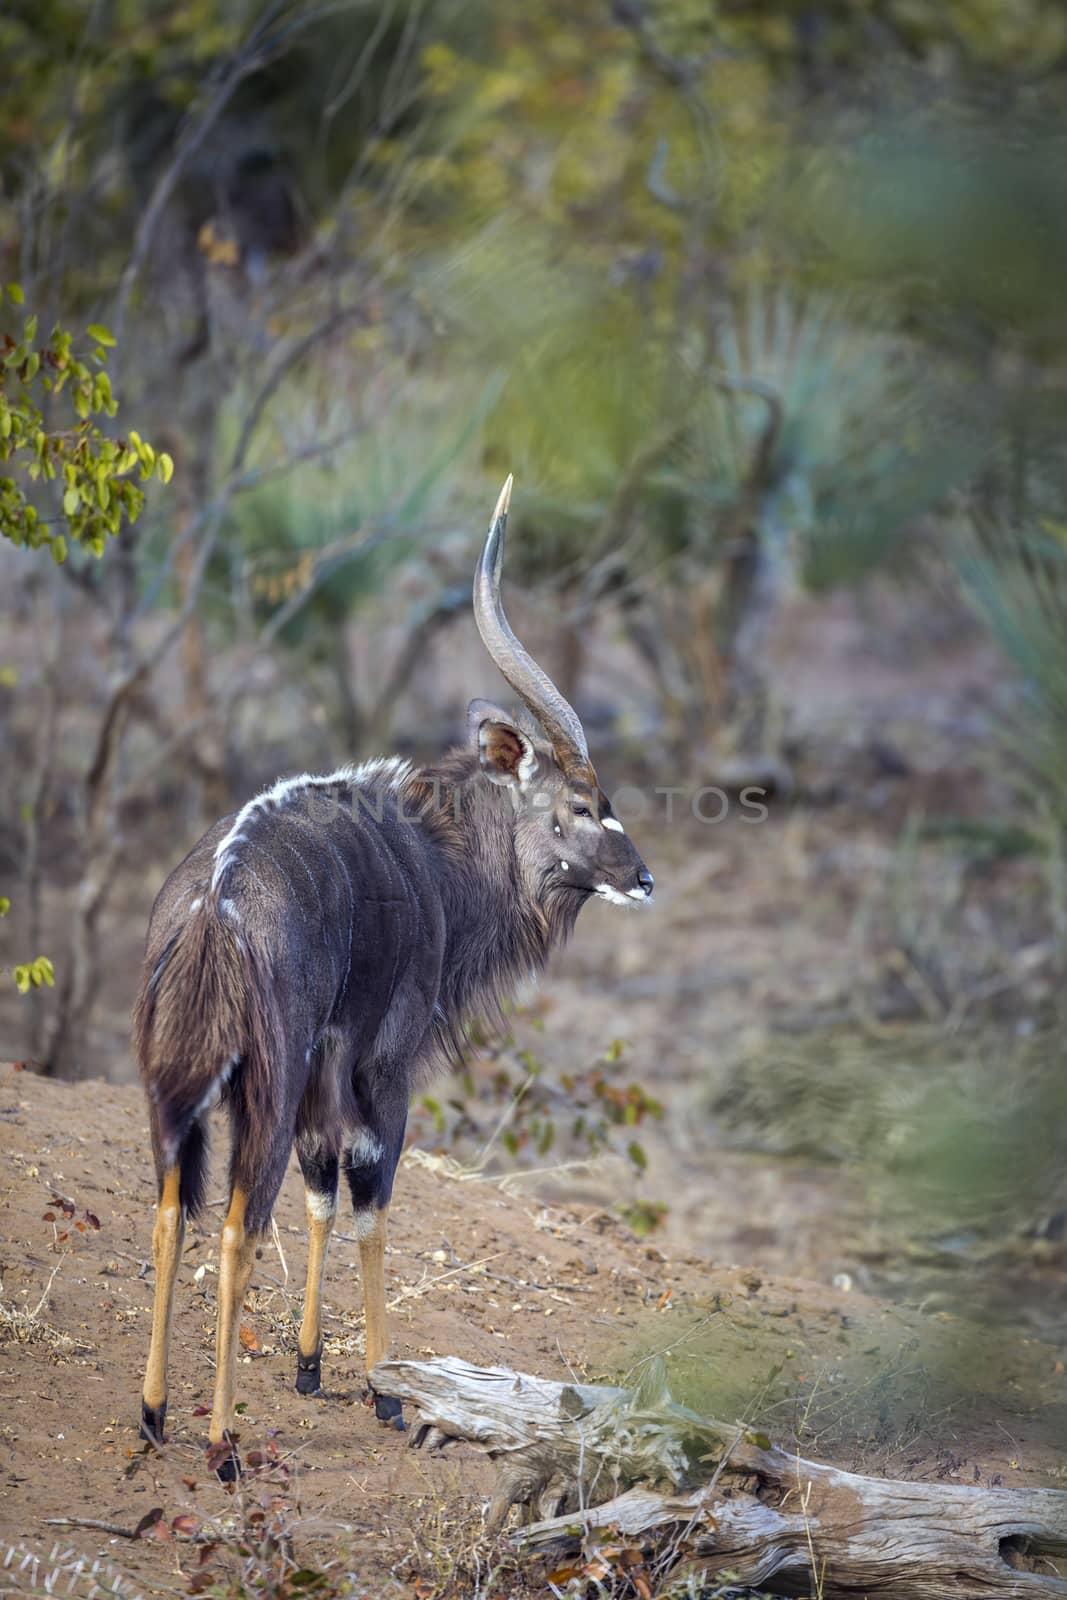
x=319, y=952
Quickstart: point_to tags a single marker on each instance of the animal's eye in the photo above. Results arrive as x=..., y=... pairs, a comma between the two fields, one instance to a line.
x=581, y=811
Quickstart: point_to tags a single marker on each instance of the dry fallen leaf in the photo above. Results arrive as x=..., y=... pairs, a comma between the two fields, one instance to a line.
x=565, y=1574
x=248, y=1337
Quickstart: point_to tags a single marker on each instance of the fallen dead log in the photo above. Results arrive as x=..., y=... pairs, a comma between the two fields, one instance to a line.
x=598, y=1464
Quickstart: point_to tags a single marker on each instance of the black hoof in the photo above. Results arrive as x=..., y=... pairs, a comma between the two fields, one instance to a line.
x=228, y=1468
x=308, y=1374
x=153, y=1420
x=223, y=1460
x=390, y=1411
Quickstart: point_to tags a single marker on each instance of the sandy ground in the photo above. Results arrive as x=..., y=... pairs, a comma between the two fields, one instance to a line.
x=473, y=1271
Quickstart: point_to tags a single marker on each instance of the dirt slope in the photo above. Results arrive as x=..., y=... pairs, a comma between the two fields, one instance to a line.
x=474, y=1271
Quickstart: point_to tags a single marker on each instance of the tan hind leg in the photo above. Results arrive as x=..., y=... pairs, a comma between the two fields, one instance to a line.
x=168, y=1236
x=372, y=1271
x=376, y=1319
x=236, y=1254
x=321, y=1211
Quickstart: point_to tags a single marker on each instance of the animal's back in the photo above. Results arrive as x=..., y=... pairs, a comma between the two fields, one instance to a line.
x=312, y=910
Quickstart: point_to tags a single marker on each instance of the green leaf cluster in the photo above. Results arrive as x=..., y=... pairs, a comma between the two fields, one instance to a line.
x=536, y=1113
x=34, y=975
x=98, y=478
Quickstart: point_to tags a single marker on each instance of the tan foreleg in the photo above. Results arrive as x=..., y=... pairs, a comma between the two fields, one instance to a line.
x=168, y=1236
x=236, y=1254
x=321, y=1210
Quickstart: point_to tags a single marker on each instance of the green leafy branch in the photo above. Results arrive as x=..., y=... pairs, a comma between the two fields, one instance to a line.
x=99, y=489
x=581, y=1114
x=30, y=974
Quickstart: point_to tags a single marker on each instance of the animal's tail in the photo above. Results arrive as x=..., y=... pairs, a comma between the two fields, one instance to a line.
x=193, y=1023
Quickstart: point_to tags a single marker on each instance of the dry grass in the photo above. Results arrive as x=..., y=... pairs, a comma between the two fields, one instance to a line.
x=26, y=1327
x=64, y=1572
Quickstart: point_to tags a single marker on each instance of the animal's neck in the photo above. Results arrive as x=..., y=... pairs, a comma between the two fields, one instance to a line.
x=499, y=926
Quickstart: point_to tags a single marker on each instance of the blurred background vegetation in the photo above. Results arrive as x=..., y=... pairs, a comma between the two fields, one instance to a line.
x=762, y=303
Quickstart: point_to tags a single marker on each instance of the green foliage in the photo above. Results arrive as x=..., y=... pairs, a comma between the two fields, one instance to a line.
x=1016, y=579
x=34, y=975
x=643, y=1217
x=902, y=203
x=532, y=1113
x=839, y=431
x=325, y=541
x=613, y=195
x=94, y=471
x=952, y=1136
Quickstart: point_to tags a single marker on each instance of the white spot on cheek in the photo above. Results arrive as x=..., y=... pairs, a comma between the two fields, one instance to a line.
x=613, y=823
x=321, y=1207
x=565, y=865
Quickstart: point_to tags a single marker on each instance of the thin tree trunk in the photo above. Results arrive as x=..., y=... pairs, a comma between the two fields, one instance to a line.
x=37, y=801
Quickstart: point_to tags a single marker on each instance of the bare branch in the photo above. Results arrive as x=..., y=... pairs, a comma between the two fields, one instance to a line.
x=239, y=678
x=280, y=369
x=198, y=124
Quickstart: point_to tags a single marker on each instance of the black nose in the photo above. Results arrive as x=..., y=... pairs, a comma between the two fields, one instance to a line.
x=646, y=881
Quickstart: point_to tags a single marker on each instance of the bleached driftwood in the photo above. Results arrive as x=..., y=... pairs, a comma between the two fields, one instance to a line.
x=599, y=1463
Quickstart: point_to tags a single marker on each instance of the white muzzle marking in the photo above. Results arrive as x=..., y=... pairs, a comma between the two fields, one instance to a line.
x=616, y=896
x=632, y=897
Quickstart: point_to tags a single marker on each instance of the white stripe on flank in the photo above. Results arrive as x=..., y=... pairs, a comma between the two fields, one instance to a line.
x=393, y=770
x=215, y=1088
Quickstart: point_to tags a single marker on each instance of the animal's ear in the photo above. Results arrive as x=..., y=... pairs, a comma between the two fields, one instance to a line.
x=507, y=754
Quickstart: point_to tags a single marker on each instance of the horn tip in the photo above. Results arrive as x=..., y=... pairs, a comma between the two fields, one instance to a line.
x=504, y=499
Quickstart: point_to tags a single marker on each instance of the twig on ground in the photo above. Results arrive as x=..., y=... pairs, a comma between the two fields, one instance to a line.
x=116, y=1529
x=414, y=1290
